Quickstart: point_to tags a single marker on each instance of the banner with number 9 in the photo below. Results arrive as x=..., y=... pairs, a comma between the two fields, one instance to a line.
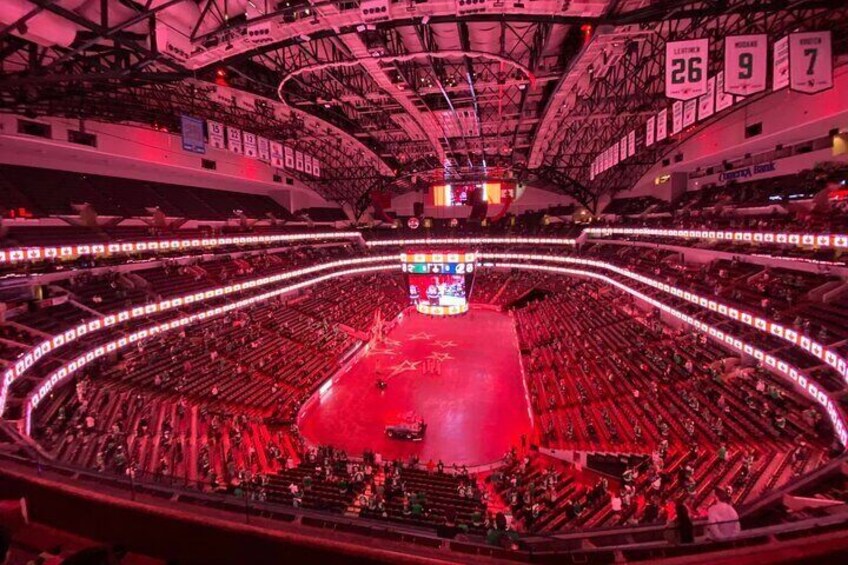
x=745, y=64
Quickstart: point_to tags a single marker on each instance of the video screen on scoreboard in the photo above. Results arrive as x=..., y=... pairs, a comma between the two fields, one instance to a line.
x=438, y=279
x=463, y=194
x=437, y=290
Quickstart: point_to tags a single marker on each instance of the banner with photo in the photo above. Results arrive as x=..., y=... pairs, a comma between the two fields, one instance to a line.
x=192, y=134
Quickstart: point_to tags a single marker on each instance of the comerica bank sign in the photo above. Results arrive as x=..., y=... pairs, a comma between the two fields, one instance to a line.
x=747, y=172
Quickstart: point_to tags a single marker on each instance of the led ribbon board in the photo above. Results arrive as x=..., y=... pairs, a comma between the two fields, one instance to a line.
x=775, y=364
x=472, y=241
x=811, y=240
x=34, y=254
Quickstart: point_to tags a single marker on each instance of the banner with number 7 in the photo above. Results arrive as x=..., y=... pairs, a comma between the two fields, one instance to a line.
x=810, y=62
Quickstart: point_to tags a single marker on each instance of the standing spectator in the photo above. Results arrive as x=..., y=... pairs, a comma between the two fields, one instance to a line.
x=723, y=521
x=685, y=529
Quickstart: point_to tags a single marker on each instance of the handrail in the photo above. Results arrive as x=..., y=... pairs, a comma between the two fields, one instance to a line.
x=529, y=544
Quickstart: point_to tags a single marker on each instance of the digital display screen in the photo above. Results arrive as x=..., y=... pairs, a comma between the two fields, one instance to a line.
x=439, y=268
x=463, y=194
x=439, y=282
x=437, y=290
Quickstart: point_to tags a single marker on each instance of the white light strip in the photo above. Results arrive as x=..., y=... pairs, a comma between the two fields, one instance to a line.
x=20, y=368
x=472, y=241
x=774, y=364
x=67, y=370
x=32, y=254
x=820, y=241
x=788, y=334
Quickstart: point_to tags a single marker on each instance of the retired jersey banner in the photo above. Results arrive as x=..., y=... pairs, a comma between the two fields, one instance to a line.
x=289, y=157
x=250, y=149
x=264, y=149
x=676, y=117
x=298, y=161
x=745, y=63
x=276, y=154
x=631, y=143
x=216, y=134
x=649, y=131
x=307, y=164
x=316, y=167
x=234, y=140
x=662, y=124
x=616, y=154
x=780, y=64
x=690, y=111
x=810, y=62
x=723, y=99
x=686, y=68
x=706, y=103
x=622, y=148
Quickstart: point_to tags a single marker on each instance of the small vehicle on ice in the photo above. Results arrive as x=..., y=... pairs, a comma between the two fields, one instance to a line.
x=413, y=430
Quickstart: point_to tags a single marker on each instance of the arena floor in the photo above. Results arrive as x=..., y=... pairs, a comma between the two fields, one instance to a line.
x=475, y=405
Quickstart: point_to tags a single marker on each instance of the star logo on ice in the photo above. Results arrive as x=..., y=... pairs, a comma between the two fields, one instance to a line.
x=389, y=343
x=440, y=356
x=444, y=344
x=420, y=336
x=403, y=367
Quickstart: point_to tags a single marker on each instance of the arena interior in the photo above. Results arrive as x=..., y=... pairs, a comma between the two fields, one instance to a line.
x=423, y=281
